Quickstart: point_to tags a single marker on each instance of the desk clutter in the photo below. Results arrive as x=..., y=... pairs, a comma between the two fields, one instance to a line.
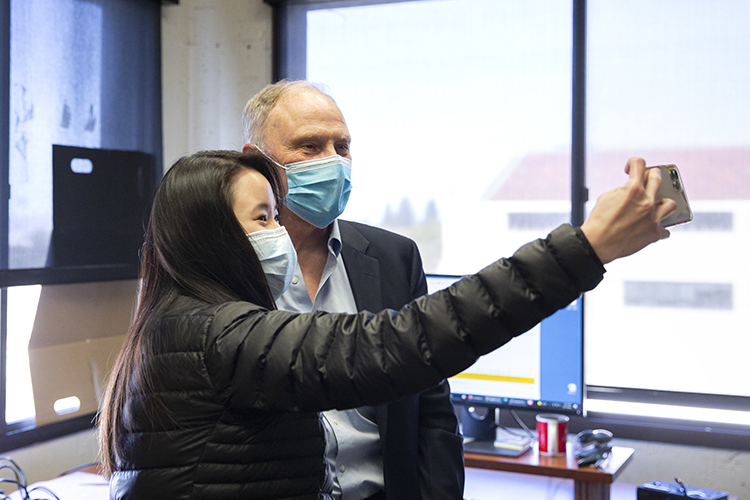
x=592, y=447
x=73, y=484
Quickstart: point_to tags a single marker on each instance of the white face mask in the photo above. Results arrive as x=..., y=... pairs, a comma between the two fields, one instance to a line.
x=277, y=257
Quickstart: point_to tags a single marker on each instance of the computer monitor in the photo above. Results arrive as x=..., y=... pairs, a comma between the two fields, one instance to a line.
x=541, y=370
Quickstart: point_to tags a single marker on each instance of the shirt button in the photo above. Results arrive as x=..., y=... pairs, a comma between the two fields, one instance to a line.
x=295, y=281
x=342, y=469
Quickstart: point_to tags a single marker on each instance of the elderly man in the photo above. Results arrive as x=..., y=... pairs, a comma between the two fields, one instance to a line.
x=409, y=449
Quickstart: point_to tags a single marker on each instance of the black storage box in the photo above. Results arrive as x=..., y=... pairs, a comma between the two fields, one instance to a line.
x=663, y=490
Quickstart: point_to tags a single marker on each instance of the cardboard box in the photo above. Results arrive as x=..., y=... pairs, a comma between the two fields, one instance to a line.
x=77, y=334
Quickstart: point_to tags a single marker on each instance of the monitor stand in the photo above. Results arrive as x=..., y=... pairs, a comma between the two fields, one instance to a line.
x=482, y=435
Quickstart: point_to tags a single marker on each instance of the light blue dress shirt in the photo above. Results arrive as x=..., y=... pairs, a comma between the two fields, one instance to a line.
x=353, y=447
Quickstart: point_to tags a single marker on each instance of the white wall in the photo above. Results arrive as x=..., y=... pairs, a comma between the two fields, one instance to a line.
x=216, y=54
x=50, y=459
x=718, y=469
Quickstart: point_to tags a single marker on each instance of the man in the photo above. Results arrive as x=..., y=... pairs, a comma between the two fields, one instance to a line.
x=409, y=449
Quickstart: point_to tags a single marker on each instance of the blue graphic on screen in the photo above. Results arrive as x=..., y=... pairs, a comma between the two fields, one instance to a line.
x=541, y=369
x=561, y=355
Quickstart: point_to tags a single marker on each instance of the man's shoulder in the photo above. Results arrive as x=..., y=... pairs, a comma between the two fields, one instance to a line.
x=399, y=264
x=372, y=233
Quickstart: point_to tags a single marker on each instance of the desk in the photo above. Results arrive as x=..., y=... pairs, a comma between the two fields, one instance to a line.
x=589, y=483
x=481, y=484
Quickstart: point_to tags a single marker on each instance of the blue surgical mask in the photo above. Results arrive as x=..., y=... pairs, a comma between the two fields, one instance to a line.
x=277, y=257
x=319, y=189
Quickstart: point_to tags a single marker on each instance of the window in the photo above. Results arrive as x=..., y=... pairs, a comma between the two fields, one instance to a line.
x=479, y=125
x=680, y=305
x=79, y=77
x=427, y=141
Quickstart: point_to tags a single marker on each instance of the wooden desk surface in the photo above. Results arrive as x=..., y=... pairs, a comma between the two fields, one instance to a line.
x=566, y=466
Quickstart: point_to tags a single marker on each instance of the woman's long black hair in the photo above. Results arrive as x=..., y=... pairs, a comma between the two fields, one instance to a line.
x=194, y=244
x=194, y=247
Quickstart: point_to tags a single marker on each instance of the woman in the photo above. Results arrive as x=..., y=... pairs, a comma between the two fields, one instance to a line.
x=215, y=394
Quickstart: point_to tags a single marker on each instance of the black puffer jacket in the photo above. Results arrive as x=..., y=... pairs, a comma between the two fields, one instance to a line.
x=241, y=386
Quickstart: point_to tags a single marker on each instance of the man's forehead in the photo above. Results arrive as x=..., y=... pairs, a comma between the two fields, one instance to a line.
x=302, y=112
x=305, y=103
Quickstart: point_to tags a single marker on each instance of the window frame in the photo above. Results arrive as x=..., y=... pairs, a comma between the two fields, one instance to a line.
x=286, y=61
x=25, y=432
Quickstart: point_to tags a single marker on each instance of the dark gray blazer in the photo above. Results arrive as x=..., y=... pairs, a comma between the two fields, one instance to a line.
x=422, y=451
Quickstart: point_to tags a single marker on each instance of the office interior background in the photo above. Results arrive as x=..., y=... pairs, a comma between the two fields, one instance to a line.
x=215, y=55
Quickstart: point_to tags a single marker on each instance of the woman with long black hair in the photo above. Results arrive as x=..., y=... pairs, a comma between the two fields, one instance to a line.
x=215, y=394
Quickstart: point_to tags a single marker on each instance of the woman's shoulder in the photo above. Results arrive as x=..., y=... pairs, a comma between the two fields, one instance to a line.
x=188, y=307
x=191, y=311
x=230, y=311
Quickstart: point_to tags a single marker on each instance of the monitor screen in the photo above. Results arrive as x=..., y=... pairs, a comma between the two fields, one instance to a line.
x=540, y=370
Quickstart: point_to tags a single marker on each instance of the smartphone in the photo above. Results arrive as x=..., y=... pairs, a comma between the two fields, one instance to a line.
x=672, y=187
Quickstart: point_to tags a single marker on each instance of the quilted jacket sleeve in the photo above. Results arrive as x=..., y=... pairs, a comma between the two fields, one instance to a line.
x=276, y=360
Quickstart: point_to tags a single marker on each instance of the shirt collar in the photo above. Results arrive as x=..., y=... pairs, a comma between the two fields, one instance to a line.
x=334, y=239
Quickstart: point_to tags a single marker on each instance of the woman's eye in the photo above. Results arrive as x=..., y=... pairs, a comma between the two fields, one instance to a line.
x=263, y=217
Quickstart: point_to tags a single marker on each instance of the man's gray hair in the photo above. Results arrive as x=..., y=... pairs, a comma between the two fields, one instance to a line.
x=258, y=108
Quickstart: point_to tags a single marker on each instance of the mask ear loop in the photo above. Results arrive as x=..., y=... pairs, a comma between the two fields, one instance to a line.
x=280, y=202
x=268, y=157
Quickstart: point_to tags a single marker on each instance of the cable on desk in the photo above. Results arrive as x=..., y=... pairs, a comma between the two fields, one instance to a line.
x=529, y=432
x=19, y=479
